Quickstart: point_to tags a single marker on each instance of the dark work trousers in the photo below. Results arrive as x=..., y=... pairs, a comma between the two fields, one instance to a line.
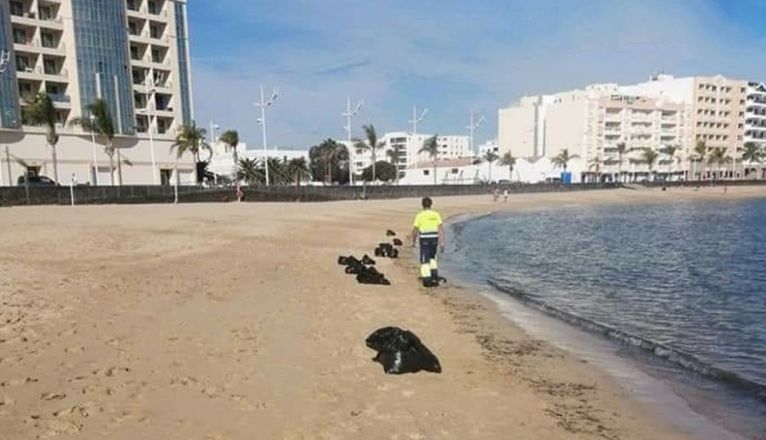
x=428, y=266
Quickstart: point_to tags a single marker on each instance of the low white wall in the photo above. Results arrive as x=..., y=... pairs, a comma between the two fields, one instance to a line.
x=76, y=157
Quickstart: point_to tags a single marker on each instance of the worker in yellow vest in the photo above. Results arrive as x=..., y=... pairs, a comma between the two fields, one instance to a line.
x=428, y=228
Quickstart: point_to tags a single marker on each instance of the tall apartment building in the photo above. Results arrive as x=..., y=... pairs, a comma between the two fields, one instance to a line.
x=589, y=123
x=133, y=54
x=716, y=106
x=755, y=114
x=664, y=111
x=408, y=146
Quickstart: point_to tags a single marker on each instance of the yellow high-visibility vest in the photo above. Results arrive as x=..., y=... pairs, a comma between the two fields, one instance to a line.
x=427, y=223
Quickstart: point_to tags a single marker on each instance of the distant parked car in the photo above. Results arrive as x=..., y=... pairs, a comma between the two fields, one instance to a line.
x=36, y=181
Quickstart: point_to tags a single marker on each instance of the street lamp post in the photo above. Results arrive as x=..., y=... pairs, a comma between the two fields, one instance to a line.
x=151, y=89
x=475, y=124
x=415, y=121
x=263, y=104
x=349, y=114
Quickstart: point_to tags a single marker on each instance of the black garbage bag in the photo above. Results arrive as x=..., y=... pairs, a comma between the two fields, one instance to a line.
x=386, y=250
x=398, y=242
x=400, y=351
x=367, y=260
x=370, y=275
x=390, y=233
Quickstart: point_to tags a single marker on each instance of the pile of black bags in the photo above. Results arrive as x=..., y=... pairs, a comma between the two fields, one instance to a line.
x=400, y=351
x=364, y=270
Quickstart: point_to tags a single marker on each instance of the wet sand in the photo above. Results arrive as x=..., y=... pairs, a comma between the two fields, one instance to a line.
x=235, y=322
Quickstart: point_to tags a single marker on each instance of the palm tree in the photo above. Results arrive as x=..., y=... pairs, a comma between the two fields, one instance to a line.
x=563, y=158
x=649, y=157
x=43, y=112
x=371, y=143
x=596, y=164
x=330, y=154
x=670, y=151
x=102, y=124
x=231, y=139
x=191, y=139
x=489, y=157
x=753, y=154
x=298, y=170
x=700, y=148
x=251, y=171
x=278, y=172
x=431, y=146
x=509, y=161
x=621, y=150
x=718, y=156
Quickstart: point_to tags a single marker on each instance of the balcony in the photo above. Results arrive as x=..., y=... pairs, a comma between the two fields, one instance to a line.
x=57, y=71
x=61, y=100
x=29, y=72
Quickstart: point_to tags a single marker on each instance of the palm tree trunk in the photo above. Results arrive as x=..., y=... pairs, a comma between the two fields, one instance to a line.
x=119, y=167
x=434, y=172
x=55, y=163
x=373, y=164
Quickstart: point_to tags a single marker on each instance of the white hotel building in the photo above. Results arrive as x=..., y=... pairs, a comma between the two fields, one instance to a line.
x=408, y=147
x=755, y=114
x=664, y=111
x=134, y=54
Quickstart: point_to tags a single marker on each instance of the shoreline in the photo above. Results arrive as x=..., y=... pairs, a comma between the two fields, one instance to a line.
x=137, y=316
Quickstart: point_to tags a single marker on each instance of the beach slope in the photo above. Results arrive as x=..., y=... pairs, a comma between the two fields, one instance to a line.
x=235, y=322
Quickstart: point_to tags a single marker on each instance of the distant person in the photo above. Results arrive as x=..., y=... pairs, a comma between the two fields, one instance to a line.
x=496, y=194
x=505, y=195
x=427, y=227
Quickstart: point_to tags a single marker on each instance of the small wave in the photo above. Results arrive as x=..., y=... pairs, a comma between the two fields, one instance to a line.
x=661, y=351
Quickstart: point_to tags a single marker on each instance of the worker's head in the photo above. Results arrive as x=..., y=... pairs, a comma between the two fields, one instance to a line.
x=427, y=202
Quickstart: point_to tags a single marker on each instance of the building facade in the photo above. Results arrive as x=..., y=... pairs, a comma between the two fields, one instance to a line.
x=133, y=54
x=755, y=114
x=596, y=122
x=405, y=147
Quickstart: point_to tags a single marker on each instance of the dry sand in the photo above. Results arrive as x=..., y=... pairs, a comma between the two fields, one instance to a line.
x=235, y=322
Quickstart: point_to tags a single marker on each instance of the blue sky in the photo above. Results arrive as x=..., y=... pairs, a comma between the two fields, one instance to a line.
x=452, y=56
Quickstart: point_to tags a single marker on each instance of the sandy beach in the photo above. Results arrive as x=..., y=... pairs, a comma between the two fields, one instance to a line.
x=235, y=322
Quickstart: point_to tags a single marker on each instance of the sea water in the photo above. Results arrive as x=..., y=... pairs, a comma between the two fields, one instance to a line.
x=680, y=288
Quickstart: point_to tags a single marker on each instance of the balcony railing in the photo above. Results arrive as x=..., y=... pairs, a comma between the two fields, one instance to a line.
x=27, y=41
x=30, y=69
x=59, y=97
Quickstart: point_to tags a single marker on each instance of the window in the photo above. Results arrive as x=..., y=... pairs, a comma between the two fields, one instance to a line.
x=157, y=56
x=46, y=13
x=17, y=9
x=21, y=63
x=426, y=172
x=165, y=175
x=49, y=67
x=26, y=89
x=48, y=39
x=454, y=171
x=19, y=36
